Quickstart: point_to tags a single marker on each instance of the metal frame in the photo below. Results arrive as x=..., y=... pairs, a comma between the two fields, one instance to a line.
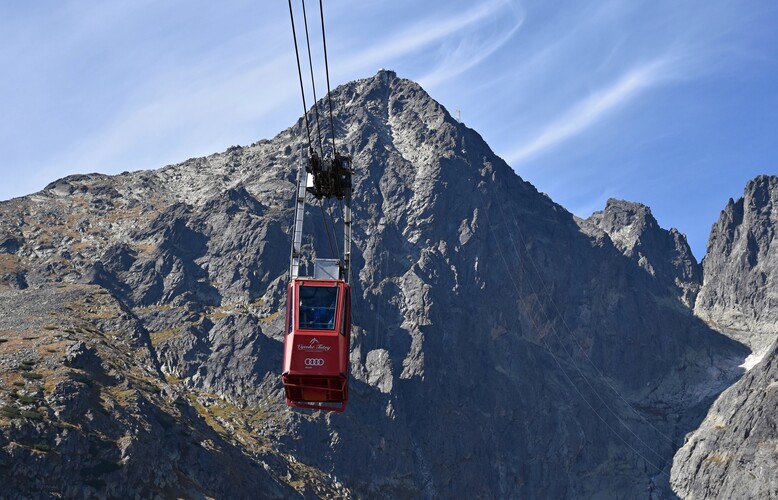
x=297, y=237
x=346, y=271
x=320, y=182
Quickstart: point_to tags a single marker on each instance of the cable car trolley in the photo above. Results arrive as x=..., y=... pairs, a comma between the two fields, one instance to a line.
x=318, y=312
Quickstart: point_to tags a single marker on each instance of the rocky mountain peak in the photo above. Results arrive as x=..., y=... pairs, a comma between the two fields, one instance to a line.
x=402, y=114
x=664, y=255
x=761, y=193
x=625, y=222
x=741, y=266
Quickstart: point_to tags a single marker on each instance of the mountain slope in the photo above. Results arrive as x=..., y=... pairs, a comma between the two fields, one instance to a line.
x=86, y=411
x=499, y=350
x=733, y=452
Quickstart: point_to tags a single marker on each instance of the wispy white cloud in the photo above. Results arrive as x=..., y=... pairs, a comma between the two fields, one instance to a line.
x=470, y=52
x=592, y=203
x=589, y=111
x=419, y=36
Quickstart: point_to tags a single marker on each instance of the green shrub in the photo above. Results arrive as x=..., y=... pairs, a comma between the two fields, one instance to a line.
x=10, y=412
x=60, y=424
x=32, y=376
x=32, y=415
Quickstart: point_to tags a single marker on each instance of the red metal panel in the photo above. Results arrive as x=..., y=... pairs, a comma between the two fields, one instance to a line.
x=316, y=351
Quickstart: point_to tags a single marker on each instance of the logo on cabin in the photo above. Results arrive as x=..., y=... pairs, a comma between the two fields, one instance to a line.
x=313, y=346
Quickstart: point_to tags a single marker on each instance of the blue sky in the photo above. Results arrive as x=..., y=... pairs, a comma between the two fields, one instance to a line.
x=669, y=103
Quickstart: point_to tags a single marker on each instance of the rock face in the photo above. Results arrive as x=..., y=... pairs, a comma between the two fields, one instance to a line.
x=733, y=453
x=664, y=255
x=741, y=267
x=498, y=349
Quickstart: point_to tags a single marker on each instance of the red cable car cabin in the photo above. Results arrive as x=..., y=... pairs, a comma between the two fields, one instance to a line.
x=316, y=344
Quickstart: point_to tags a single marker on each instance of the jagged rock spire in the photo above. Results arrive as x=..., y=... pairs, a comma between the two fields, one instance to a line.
x=741, y=266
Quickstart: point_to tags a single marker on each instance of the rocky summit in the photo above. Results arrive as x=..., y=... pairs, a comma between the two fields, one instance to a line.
x=664, y=255
x=501, y=347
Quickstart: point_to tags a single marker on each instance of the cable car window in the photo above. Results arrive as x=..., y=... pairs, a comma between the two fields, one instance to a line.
x=289, y=316
x=317, y=307
x=346, y=315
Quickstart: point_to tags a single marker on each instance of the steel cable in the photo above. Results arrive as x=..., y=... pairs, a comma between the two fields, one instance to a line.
x=313, y=82
x=327, y=70
x=300, y=75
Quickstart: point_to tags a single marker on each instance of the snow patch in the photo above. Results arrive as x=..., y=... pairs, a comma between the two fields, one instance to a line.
x=753, y=359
